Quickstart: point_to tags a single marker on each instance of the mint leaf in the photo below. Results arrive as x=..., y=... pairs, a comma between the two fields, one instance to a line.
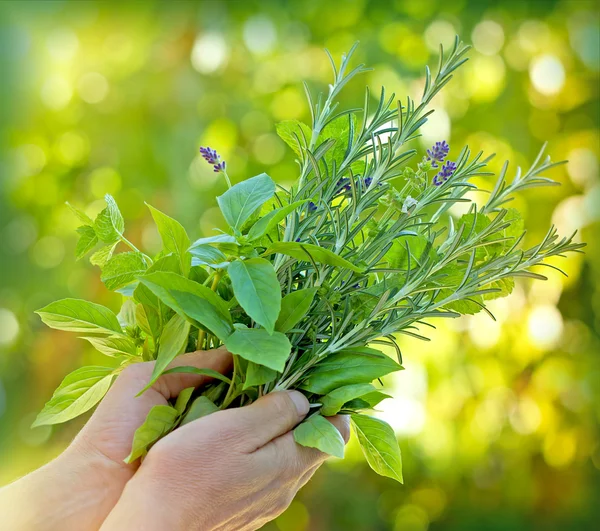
x=317, y=432
x=123, y=269
x=109, y=224
x=295, y=134
x=257, y=345
x=87, y=241
x=102, y=255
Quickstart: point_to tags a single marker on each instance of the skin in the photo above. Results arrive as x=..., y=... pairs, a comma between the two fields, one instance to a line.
x=233, y=470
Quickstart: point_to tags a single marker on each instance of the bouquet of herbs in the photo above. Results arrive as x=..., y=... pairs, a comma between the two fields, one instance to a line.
x=308, y=282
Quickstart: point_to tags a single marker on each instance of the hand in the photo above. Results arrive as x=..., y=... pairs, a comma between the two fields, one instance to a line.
x=79, y=488
x=232, y=470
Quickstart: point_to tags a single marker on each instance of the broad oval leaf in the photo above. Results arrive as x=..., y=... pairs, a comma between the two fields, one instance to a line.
x=257, y=290
x=160, y=421
x=258, y=375
x=174, y=237
x=317, y=432
x=361, y=365
x=240, y=201
x=76, y=315
x=335, y=400
x=114, y=345
x=257, y=345
x=308, y=252
x=183, y=398
x=294, y=307
x=380, y=446
x=200, y=407
x=123, y=269
x=268, y=221
x=79, y=392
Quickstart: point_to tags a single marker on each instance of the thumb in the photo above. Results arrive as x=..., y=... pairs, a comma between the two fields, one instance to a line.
x=264, y=420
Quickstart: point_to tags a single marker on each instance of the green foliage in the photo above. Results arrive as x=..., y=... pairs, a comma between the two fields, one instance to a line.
x=317, y=432
x=160, y=421
x=258, y=346
x=294, y=306
x=200, y=407
x=311, y=253
x=334, y=401
x=122, y=269
x=175, y=239
x=75, y=315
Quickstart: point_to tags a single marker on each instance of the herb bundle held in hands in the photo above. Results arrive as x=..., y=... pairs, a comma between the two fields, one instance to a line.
x=308, y=282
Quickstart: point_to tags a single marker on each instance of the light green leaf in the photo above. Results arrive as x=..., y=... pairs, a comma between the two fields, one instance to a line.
x=306, y=251
x=317, y=432
x=185, y=369
x=160, y=421
x=380, y=446
x=114, y=345
x=123, y=269
x=257, y=345
x=170, y=263
x=208, y=255
x=201, y=407
x=258, y=375
x=333, y=401
x=79, y=392
x=109, y=224
x=360, y=365
x=338, y=130
x=174, y=237
x=102, y=255
x=294, y=307
x=268, y=221
x=257, y=290
x=76, y=315
x=292, y=132
x=183, y=399
x=240, y=201
x=87, y=241
x=82, y=216
x=149, y=320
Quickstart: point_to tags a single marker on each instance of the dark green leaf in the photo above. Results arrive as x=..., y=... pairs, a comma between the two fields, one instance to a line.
x=294, y=307
x=257, y=345
x=317, y=432
x=102, y=255
x=160, y=421
x=306, y=251
x=123, y=269
x=76, y=315
x=258, y=375
x=333, y=401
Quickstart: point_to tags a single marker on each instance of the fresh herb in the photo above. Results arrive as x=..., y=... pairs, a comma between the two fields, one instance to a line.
x=308, y=281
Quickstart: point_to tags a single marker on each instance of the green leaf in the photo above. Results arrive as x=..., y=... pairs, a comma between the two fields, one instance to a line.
x=333, y=401
x=149, y=320
x=505, y=285
x=306, y=251
x=82, y=216
x=185, y=369
x=170, y=263
x=76, y=315
x=102, y=255
x=79, y=392
x=338, y=130
x=191, y=300
x=160, y=421
x=201, y=407
x=109, y=224
x=380, y=446
x=257, y=345
x=292, y=132
x=173, y=341
x=114, y=345
x=123, y=269
x=258, y=375
x=87, y=241
x=174, y=237
x=240, y=201
x=317, y=432
x=257, y=290
x=397, y=256
x=183, y=399
x=294, y=307
x=208, y=255
x=270, y=220
x=360, y=365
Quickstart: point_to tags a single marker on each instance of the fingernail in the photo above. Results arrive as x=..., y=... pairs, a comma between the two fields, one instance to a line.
x=300, y=401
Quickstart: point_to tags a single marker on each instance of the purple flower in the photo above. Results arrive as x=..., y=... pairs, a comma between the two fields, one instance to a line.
x=446, y=172
x=368, y=181
x=212, y=157
x=438, y=153
x=343, y=185
x=312, y=207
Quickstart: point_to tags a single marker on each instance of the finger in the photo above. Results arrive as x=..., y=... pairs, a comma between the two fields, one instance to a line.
x=255, y=425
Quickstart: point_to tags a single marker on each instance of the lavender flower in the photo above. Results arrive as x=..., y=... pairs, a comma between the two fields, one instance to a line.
x=212, y=157
x=343, y=185
x=446, y=172
x=438, y=153
x=312, y=207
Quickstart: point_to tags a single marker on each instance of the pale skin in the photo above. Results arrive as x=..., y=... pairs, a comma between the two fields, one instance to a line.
x=232, y=470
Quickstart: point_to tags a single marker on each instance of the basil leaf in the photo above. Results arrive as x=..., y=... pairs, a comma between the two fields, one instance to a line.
x=160, y=421
x=186, y=369
x=268, y=221
x=114, y=345
x=334, y=401
x=294, y=307
x=79, y=392
x=123, y=269
x=201, y=407
x=258, y=375
x=109, y=224
x=257, y=345
x=207, y=255
x=240, y=201
x=307, y=251
x=317, y=432
x=76, y=315
x=183, y=399
x=257, y=290
x=149, y=320
x=174, y=237
x=348, y=367
x=380, y=446
x=102, y=255
x=87, y=241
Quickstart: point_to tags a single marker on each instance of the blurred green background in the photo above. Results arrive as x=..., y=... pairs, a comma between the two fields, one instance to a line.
x=498, y=421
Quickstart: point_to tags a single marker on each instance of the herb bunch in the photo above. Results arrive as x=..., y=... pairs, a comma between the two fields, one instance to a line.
x=308, y=282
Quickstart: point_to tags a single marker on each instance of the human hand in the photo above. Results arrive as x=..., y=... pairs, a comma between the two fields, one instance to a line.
x=232, y=470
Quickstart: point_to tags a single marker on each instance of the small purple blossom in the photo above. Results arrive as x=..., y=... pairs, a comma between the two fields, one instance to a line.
x=446, y=172
x=343, y=185
x=312, y=207
x=368, y=180
x=212, y=157
x=438, y=153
